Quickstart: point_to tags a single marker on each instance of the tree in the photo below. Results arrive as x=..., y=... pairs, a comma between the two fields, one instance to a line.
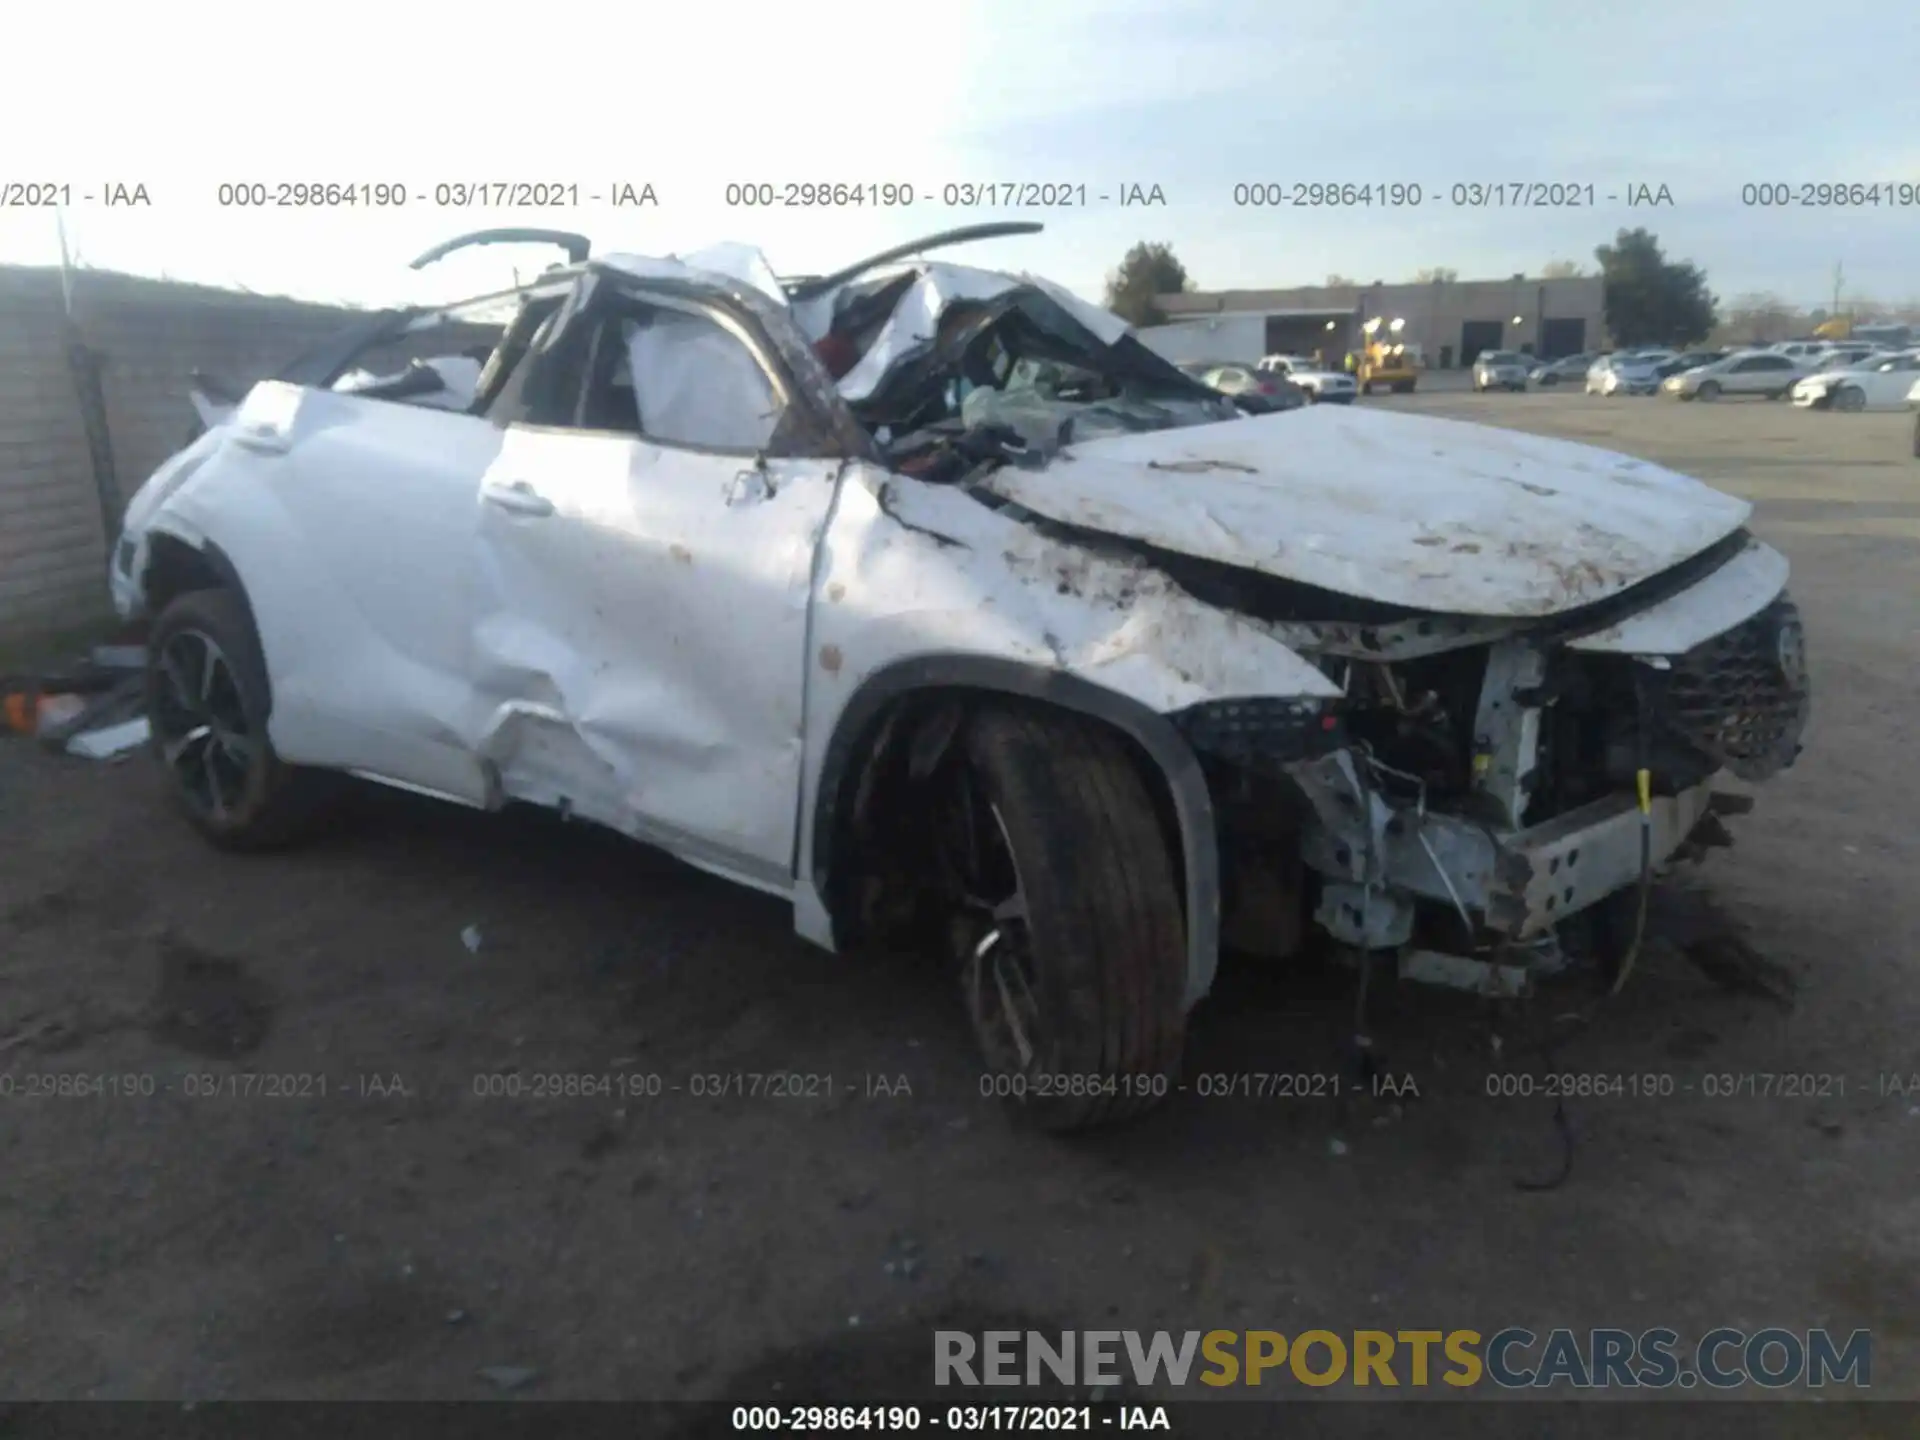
x=1149, y=269
x=1338, y=281
x=1650, y=300
x=1759, y=316
x=1561, y=270
x=1437, y=273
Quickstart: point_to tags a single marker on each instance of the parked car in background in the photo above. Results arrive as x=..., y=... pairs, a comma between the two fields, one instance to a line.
x=1688, y=360
x=1500, y=370
x=1771, y=373
x=1876, y=382
x=1839, y=357
x=1800, y=349
x=1316, y=379
x=1252, y=389
x=1623, y=375
x=1567, y=368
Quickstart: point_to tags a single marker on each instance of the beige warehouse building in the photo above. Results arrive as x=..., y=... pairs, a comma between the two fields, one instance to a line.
x=1450, y=321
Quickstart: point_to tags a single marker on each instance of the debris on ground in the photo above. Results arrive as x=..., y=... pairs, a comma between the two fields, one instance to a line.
x=101, y=691
x=110, y=741
x=27, y=713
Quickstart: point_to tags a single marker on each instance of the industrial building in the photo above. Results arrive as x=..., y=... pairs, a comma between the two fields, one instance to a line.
x=1445, y=322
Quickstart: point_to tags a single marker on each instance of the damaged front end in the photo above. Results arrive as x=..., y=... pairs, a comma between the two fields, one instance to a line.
x=1481, y=787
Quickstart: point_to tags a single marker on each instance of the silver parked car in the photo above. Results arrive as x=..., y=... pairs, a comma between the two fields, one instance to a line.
x=1566, y=368
x=1771, y=373
x=1625, y=374
x=1500, y=370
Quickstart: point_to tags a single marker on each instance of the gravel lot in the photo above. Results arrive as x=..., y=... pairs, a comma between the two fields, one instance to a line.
x=401, y=1233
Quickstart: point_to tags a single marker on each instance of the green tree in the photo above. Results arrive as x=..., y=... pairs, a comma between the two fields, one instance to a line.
x=1150, y=269
x=1438, y=272
x=1651, y=300
x=1338, y=281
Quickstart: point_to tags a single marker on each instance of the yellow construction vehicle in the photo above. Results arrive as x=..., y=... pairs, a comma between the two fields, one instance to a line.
x=1385, y=361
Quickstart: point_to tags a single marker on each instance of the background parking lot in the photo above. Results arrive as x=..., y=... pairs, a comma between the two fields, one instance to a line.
x=417, y=1224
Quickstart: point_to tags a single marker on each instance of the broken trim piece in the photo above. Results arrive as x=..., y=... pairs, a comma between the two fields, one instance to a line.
x=1172, y=757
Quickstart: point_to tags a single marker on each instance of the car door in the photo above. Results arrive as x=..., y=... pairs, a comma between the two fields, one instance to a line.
x=1887, y=381
x=1746, y=375
x=356, y=553
x=646, y=549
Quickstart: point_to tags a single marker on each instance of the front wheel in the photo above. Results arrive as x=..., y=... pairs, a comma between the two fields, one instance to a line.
x=1851, y=399
x=1065, y=919
x=1709, y=390
x=207, y=706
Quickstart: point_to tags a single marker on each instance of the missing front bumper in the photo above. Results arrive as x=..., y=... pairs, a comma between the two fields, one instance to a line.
x=1518, y=884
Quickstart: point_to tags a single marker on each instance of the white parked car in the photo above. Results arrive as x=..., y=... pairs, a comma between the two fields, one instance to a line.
x=1771, y=373
x=1878, y=382
x=1800, y=350
x=929, y=600
x=1624, y=374
x=1838, y=357
x=1320, y=383
x=1500, y=370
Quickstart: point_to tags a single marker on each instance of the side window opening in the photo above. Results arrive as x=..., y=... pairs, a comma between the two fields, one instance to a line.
x=688, y=380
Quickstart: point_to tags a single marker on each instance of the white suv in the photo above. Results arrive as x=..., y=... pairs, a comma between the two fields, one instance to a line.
x=932, y=602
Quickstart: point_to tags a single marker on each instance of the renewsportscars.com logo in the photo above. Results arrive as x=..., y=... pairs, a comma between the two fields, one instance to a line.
x=1511, y=1359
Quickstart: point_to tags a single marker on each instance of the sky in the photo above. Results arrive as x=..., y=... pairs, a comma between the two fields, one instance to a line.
x=1192, y=98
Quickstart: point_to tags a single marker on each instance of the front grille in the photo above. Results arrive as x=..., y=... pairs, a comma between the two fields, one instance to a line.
x=1742, y=698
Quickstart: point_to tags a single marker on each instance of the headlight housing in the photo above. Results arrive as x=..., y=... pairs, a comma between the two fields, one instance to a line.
x=1263, y=731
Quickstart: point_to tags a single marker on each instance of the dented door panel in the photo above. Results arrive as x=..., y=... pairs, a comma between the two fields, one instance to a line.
x=638, y=646
x=352, y=522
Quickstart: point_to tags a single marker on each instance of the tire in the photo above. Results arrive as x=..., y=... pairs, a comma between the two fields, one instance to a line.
x=1072, y=945
x=207, y=706
x=1366, y=387
x=1916, y=437
x=1850, y=398
x=1549, y=379
x=1709, y=390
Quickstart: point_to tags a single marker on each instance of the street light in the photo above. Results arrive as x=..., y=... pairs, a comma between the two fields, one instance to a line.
x=1331, y=324
x=1518, y=320
x=1397, y=326
x=1371, y=325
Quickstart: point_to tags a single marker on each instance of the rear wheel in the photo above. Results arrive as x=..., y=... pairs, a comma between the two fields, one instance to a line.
x=207, y=707
x=1065, y=919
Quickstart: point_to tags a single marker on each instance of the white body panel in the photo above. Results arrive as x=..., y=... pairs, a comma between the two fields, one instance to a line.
x=1412, y=510
x=1742, y=587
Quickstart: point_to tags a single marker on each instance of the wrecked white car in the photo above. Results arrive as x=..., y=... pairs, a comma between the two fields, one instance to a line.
x=928, y=599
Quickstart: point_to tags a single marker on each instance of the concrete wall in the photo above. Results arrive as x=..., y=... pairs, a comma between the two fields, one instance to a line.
x=1435, y=313
x=148, y=336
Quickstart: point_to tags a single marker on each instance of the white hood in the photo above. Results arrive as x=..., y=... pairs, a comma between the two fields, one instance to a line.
x=1425, y=513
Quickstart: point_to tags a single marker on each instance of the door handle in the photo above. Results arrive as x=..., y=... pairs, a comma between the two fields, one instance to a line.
x=518, y=497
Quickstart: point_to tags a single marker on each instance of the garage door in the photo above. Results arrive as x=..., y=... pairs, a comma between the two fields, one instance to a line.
x=1562, y=337
x=1478, y=335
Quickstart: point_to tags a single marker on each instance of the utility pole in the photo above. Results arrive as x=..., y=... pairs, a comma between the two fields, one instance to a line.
x=1839, y=277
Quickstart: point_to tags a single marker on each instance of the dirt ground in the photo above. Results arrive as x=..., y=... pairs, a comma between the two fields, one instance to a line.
x=405, y=1231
